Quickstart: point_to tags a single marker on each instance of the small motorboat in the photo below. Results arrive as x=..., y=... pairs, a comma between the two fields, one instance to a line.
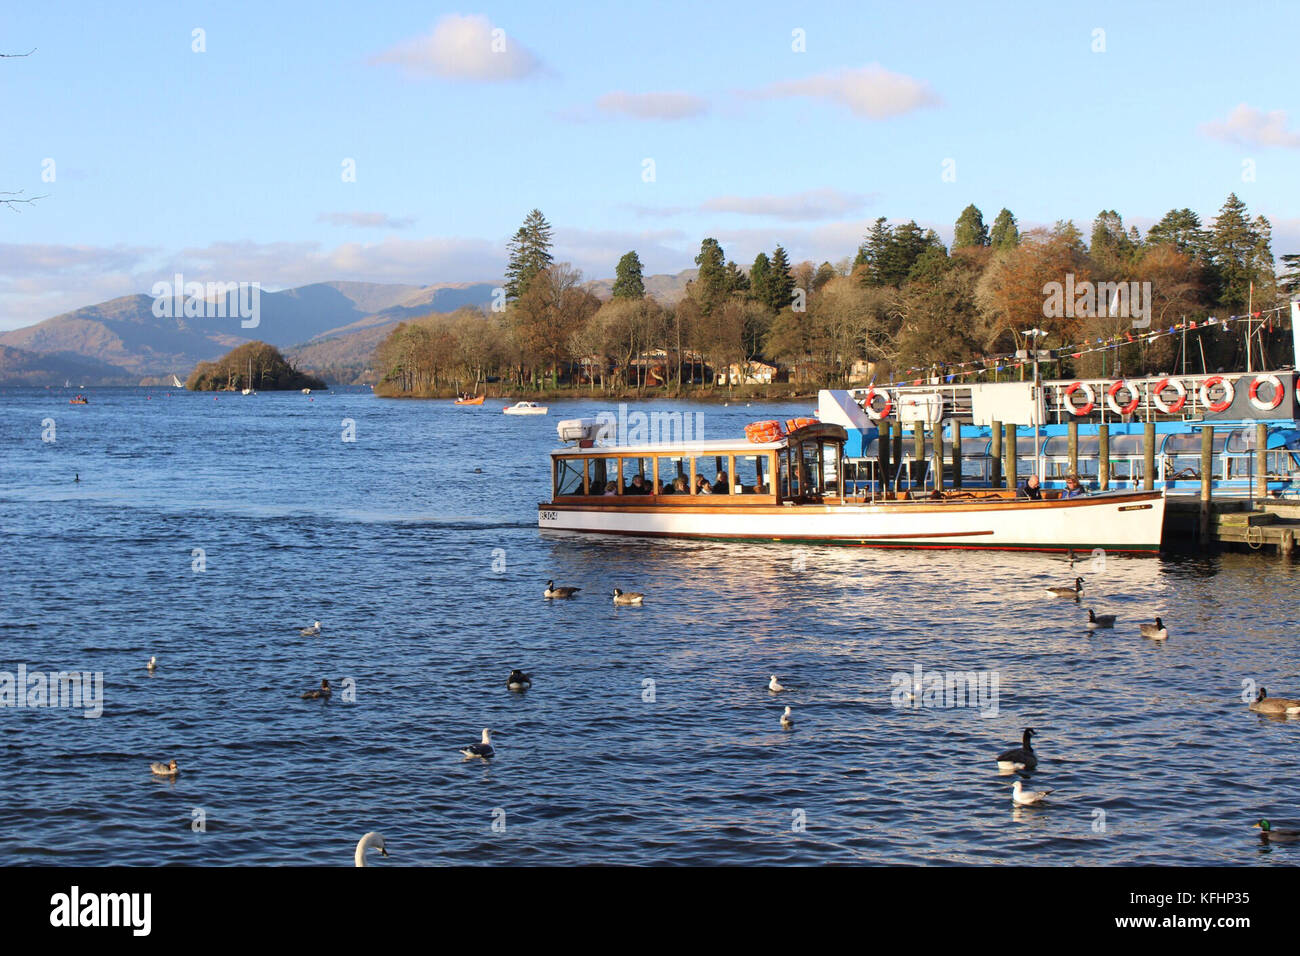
x=79, y=400
x=470, y=400
x=525, y=408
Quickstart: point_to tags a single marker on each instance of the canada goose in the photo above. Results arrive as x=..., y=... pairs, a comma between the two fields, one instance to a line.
x=1022, y=757
x=518, y=680
x=165, y=769
x=483, y=749
x=372, y=840
x=1263, y=704
x=1095, y=621
x=152, y=665
x=1270, y=834
x=631, y=597
x=787, y=721
x=1026, y=797
x=553, y=592
x=774, y=685
x=323, y=691
x=1156, y=631
x=1073, y=592
x=311, y=631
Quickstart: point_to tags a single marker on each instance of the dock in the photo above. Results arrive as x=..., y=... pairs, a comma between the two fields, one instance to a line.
x=1233, y=524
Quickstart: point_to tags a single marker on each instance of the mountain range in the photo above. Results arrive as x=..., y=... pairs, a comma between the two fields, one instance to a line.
x=329, y=329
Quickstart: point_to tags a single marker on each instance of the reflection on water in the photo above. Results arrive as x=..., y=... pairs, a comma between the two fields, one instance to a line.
x=427, y=576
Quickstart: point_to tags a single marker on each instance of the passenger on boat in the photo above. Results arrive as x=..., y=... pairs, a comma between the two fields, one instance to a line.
x=720, y=485
x=1072, y=488
x=1031, y=490
x=662, y=489
x=679, y=485
x=638, y=486
x=611, y=488
x=702, y=486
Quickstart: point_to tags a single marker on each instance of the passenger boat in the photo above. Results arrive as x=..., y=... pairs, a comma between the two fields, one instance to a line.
x=469, y=400
x=525, y=408
x=790, y=485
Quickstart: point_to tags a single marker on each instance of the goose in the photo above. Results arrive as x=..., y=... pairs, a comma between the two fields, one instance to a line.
x=1156, y=631
x=1095, y=621
x=321, y=692
x=1268, y=833
x=483, y=749
x=1263, y=704
x=631, y=597
x=372, y=840
x=1073, y=592
x=553, y=592
x=165, y=769
x=1025, y=798
x=774, y=685
x=311, y=631
x=787, y=721
x=1022, y=757
x=518, y=680
x=152, y=665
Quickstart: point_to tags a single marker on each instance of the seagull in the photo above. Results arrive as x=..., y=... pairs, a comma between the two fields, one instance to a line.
x=518, y=680
x=1094, y=621
x=1156, y=631
x=774, y=685
x=1263, y=704
x=152, y=665
x=372, y=840
x=553, y=592
x=311, y=631
x=323, y=691
x=1267, y=833
x=483, y=750
x=631, y=597
x=1073, y=592
x=787, y=721
x=1022, y=757
x=1024, y=797
x=165, y=769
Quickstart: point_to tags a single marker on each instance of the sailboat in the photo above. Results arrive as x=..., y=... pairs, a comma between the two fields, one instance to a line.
x=248, y=387
x=176, y=382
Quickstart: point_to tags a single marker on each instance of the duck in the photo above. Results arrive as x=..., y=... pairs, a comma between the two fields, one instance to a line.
x=321, y=692
x=775, y=686
x=483, y=749
x=374, y=840
x=1025, y=798
x=1263, y=704
x=518, y=680
x=311, y=631
x=553, y=592
x=1271, y=834
x=165, y=769
x=1022, y=757
x=787, y=720
x=630, y=597
x=1099, y=620
x=1073, y=592
x=1156, y=631
x=152, y=665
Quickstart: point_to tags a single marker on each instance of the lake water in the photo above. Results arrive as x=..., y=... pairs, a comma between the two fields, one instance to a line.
x=427, y=575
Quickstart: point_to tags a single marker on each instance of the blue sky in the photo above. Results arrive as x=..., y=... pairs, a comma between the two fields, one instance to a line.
x=227, y=164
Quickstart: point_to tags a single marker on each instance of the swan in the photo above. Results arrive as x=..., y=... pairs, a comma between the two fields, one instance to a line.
x=1263, y=704
x=165, y=769
x=787, y=721
x=483, y=749
x=374, y=839
x=311, y=631
x=775, y=686
x=1026, y=797
x=1022, y=757
x=323, y=691
x=1073, y=592
x=1156, y=631
x=631, y=597
x=518, y=680
x=1095, y=621
x=553, y=592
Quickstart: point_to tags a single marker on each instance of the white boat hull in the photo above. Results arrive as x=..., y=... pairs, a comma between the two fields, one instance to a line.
x=1127, y=521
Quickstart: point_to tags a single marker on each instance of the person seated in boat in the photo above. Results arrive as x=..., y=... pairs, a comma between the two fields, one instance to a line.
x=702, y=486
x=679, y=485
x=663, y=489
x=1072, y=488
x=1031, y=490
x=720, y=485
x=638, y=486
x=611, y=488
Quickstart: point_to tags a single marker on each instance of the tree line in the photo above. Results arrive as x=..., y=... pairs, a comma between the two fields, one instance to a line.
x=903, y=301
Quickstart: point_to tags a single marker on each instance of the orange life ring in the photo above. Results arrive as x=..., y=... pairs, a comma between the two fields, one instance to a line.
x=1277, y=392
x=1229, y=393
x=794, y=424
x=1177, y=404
x=1068, y=402
x=870, y=409
x=1113, y=403
x=760, y=433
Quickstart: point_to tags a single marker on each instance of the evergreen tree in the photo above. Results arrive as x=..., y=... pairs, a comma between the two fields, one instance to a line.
x=874, y=250
x=1111, y=248
x=759, y=275
x=1005, y=234
x=780, y=283
x=628, y=283
x=712, y=282
x=1180, y=228
x=1239, y=252
x=1290, y=280
x=970, y=229
x=530, y=253
x=737, y=281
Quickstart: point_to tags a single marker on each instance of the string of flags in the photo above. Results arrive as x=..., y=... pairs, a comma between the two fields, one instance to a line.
x=999, y=363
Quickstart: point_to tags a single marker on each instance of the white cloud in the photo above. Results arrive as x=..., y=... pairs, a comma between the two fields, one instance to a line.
x=1248, y=126
x=813, y=204
x=463, y=48
x=870, y=91
x=365, y=220
x=667, y=106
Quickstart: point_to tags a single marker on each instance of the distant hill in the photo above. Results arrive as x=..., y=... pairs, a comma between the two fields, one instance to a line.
x=20, y=367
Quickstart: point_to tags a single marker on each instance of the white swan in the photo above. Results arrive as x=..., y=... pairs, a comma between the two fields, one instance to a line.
x=372, y=839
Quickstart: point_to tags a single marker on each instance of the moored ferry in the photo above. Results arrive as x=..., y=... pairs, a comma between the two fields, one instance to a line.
x=790, y=485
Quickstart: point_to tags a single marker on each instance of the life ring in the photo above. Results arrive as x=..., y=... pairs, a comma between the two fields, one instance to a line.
x=1113, y=403
x=1178, y=403
x=1229, y=393
x=870, y=409
x=794, y=424
x=1068, y=402
x=1258, y=402
x=762, y=433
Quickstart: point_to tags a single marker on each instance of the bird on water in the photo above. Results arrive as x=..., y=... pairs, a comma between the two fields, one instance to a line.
x=1263, y=704
x=1022, y=757
x=483, y=749
x=311, y=631
x=165, y=769
x=553, y=592
x=787, y=720
x=1073, y=592
x=630, y=597
x=775, y=686
x=518, y=680
x=1271, y=834
x=322, y=692
x=1156, y=631
x=1099, y=620
x=1026, y=798
x=373, y=840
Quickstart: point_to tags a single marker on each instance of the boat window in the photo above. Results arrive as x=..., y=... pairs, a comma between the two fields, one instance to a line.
x=810, y=468
x=1183, y=467
x=673, y=475
x=1240, y=441
x=634, y=468
x=751, y=475
x=1126, y=445
x=1191, y=443
x=711, y=470
x=783, y=473
x=602, y=473
x=568, y=476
